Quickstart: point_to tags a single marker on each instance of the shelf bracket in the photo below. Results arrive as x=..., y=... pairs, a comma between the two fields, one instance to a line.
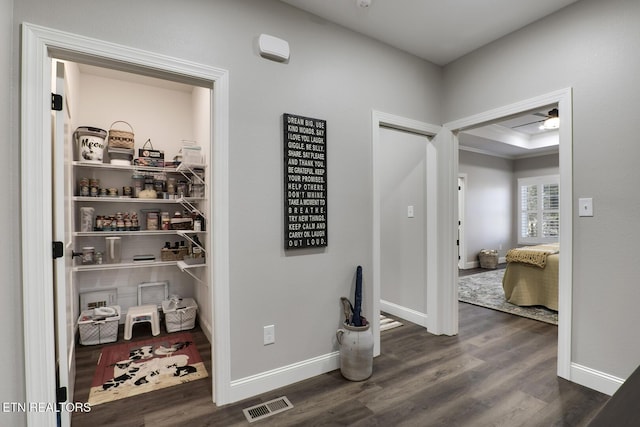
x=186, y=270
x=191, y=173
x=190, y=206
x=194, y=276
x=190, y=239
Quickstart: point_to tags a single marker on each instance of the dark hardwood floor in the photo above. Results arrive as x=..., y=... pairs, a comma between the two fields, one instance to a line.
x=499, y=371
x=476, y=270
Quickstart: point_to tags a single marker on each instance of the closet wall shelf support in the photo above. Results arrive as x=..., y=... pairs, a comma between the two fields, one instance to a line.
x=185, y=234
x=187, y=203
x=188, y=171
x=186, y=268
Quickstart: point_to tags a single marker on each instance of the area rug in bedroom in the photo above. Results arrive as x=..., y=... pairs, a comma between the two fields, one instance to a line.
x=485, y=289
x=132, y=368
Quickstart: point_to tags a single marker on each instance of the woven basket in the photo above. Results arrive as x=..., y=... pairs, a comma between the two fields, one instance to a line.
x=488, y=258
x=173, y=254
x=120, y=138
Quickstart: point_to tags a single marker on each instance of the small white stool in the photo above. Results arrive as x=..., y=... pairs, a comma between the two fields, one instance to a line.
x=139, y=314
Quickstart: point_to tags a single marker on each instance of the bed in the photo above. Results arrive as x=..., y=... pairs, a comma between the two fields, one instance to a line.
x=531, y=276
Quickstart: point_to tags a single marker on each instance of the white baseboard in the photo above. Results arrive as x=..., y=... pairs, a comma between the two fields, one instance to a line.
x=206, y=328
x=471, y=264
x=280, y=377
x=596, y=380
x=476, y=263
x=270, y=380
x=404, y=313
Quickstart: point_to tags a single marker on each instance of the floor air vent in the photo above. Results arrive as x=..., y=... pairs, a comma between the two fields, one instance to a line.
x=267, y=409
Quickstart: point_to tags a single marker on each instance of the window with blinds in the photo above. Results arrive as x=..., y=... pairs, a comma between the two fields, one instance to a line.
x=538, y=209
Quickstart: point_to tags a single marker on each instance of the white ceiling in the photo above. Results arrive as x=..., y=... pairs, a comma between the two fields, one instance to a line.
x=514, y=137
x=439, y=31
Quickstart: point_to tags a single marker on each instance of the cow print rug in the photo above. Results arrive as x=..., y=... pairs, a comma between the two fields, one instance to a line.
x=132, y=368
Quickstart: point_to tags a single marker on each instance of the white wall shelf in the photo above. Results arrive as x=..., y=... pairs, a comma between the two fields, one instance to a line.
x=137, y=233
x=182, y=167
x=110, y=199
x=124, y=265
x=190, y=203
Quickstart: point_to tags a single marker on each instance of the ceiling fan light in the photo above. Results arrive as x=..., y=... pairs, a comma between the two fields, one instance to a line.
x=551, y=123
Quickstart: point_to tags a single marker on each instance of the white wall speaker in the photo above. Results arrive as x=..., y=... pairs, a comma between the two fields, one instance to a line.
x=273, y=48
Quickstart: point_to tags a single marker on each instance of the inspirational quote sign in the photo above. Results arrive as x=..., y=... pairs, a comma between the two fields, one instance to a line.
x=305, y=182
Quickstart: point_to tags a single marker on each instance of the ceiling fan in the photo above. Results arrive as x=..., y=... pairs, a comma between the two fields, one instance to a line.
x=549, y=121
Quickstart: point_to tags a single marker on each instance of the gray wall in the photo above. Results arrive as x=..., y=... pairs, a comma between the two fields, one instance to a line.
x=336, y=75
x=595, y=51
x=488, y=205
x=402, y=175
x=491, y=210
x=333, y=74
x=536, y=166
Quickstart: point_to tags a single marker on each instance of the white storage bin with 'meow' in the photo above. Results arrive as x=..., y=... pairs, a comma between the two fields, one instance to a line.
x=179, y=314
x=99, y=325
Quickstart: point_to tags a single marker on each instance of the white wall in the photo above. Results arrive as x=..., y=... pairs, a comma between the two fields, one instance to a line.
x=595, y=45
x=402, y=174
x=297, y=291
x=162, y=114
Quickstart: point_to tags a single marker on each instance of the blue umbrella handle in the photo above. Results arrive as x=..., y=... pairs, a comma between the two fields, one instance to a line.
x=356, y=320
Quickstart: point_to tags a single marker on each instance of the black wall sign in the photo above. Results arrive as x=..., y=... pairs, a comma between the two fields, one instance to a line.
x=305, y=182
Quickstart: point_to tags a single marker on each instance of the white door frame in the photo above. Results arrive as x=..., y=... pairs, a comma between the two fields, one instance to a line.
x=39, y=45
x=462, y=261
x=63, y=326
x=563, y=98
x=378, y=119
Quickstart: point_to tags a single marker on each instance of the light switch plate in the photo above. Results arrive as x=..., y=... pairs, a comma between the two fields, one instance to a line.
x=269, y=334
x=410, y=213
x=585, y=206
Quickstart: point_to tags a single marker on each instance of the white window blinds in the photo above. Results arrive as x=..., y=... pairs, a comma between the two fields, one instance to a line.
x=538, y=209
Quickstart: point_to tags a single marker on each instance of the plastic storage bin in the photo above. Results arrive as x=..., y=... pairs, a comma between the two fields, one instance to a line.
x=191, y=155
x=180, y=316
x=97, y=327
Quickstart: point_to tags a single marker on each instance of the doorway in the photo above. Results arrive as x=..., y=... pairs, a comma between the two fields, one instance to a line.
x=563, y=98
x=397, y=123
x=157, y=110
x=462, y=254
x=402, y=175
x=39, y=46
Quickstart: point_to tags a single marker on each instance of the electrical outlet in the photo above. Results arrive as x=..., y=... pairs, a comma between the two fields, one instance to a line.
x=410, y=213
x=269, y=334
